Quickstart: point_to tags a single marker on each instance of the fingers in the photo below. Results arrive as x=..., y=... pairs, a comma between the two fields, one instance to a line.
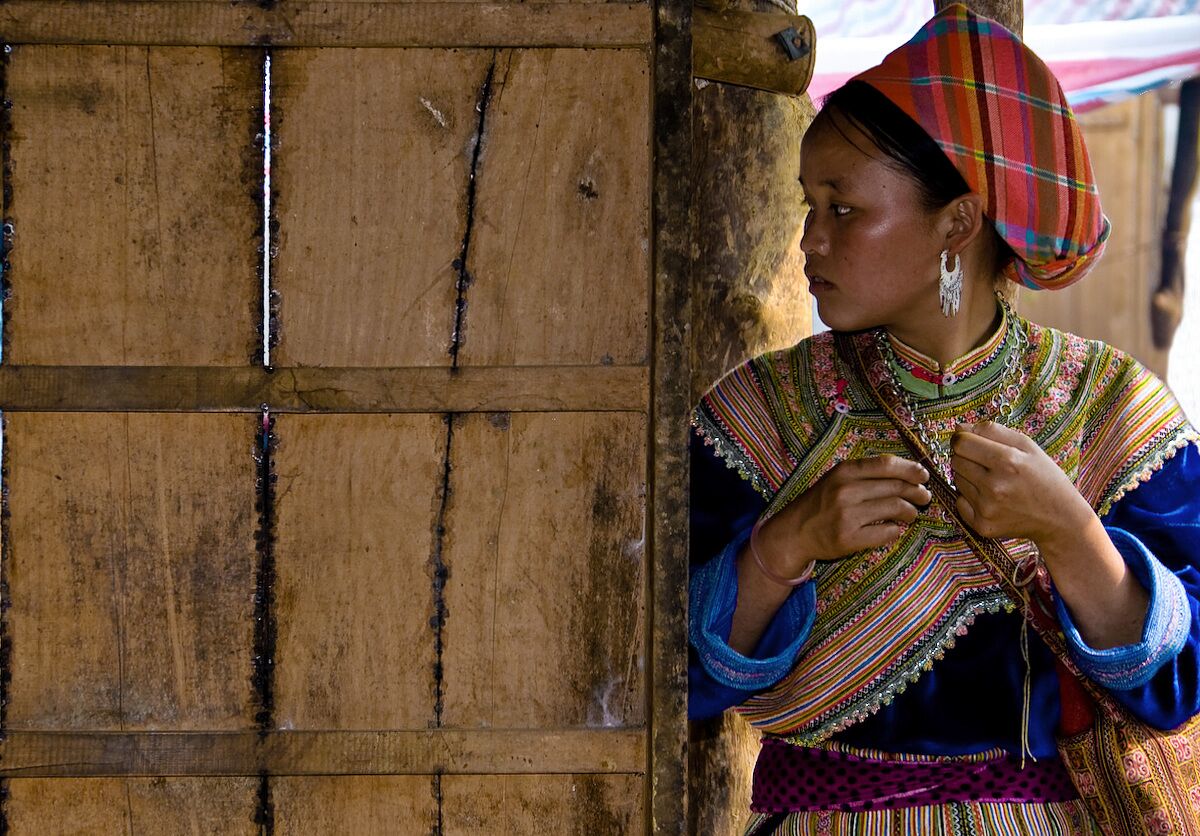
x=967, y=471
x=967, y=511
x=884, y=467
x=881, y=522
x=881, y=534
x=990, y=443
x=865, y=490
x=892, y=508
x=985, y=452
x=998, y=433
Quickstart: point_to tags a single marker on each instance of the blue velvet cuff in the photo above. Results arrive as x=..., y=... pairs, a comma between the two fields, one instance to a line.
x=713, y=597
x=1168, y=620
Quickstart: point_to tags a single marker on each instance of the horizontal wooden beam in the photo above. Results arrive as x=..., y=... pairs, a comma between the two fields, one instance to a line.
x=295, y=23
x=740, y=47
x=447, y=751
x=334, y=390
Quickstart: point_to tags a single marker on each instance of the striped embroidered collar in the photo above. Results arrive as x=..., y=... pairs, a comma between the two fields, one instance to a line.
x=926, y=378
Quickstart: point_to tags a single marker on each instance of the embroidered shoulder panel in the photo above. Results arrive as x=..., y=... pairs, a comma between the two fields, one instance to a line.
x=762, y=411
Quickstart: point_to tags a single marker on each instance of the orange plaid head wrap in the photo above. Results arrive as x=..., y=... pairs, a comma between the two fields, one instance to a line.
x=1000, y=116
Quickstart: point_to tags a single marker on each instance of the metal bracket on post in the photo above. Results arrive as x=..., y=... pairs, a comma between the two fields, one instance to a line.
x=793, y=43
x=739, y=47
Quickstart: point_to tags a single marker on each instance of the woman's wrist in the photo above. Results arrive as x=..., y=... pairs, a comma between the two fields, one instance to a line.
x=763, y=561
x=1071, y=527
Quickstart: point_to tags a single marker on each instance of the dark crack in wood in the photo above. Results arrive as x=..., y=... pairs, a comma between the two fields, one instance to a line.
x=460, y=264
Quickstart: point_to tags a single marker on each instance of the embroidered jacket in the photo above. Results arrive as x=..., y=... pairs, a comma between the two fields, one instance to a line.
x=880, y=623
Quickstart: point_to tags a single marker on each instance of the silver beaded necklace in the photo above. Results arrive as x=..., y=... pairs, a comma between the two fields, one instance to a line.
x=1012, y=381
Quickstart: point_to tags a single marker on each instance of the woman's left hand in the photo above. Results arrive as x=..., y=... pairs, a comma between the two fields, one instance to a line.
x=1009, y=487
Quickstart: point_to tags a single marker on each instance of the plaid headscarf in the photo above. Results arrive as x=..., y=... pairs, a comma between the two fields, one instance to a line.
x=1001, y=117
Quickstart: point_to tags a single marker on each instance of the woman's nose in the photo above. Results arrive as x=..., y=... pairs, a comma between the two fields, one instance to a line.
x=814, y=240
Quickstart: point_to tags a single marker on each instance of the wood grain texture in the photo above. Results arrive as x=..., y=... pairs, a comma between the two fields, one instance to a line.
x=391, y=752
x=740, y=47
x=133, y=204
x=130, y=568
x=544, y=542
x=356, y=503
x=166, y=806
x=374, y=156
x=311, y=389
x=750, y=293
x=327, y=23
x=395, y=806
x=571, y=805
x=560, y=255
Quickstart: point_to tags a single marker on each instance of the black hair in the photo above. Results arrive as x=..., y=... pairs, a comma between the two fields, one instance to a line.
x=905, y=143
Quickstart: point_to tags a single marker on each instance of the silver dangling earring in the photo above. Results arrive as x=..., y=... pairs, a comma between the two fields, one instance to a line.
x=950, y=284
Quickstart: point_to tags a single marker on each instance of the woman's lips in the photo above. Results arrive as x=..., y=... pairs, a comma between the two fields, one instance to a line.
x=816, y=284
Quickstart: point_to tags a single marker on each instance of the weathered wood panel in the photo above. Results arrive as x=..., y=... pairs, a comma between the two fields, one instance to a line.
x=545, y=598
x=372, y=168
x=299, y=23
x=133, y=204
x=165, y=806
x=388, y=752
x=571, y=805
x=130, y=570
x=357, y=497
x=312, y=389
x=559, y=261
x=1113, y=302
x=397, y=806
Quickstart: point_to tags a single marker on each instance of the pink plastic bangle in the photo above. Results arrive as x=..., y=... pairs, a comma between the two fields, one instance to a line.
x=762, y=566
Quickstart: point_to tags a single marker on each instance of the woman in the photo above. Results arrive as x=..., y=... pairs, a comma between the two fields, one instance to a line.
x=892, y=677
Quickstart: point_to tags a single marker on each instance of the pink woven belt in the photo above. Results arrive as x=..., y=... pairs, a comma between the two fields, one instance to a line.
x=789, y=778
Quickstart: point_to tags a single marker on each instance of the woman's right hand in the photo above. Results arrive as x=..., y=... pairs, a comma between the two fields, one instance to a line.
x=859, y=504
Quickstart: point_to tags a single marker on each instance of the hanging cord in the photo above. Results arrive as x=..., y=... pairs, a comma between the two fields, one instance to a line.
x=1025, y=573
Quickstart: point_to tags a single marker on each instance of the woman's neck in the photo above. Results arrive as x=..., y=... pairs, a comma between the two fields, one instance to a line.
x=953, y=336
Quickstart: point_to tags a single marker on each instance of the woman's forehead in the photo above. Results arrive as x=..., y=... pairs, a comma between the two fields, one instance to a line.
x=837, y=151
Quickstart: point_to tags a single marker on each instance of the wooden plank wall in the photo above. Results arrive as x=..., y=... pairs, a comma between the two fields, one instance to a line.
x=427, y=572
x=1113, y=302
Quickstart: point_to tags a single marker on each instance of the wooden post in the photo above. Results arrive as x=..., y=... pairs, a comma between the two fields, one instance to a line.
x=749, y=295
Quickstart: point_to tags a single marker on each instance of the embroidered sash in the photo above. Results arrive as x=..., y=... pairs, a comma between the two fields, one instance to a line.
x=886, y=615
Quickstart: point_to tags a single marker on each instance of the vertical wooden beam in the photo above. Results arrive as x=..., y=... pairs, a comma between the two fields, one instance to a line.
x=673, y=213
x=749, y=296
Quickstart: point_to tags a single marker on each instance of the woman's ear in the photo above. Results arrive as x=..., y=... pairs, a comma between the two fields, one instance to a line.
x=963, y=220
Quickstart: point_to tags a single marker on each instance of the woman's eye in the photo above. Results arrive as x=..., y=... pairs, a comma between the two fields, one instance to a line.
x=839, y=209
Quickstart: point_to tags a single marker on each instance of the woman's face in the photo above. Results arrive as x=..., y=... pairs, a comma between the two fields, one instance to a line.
x=871, y=247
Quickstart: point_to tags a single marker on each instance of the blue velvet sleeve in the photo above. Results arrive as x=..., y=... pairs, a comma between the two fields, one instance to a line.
x=724, y=509
x=1157, y=529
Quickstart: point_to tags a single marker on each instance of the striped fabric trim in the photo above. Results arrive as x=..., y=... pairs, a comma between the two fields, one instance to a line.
x=886, y=616
x=1068, y=818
